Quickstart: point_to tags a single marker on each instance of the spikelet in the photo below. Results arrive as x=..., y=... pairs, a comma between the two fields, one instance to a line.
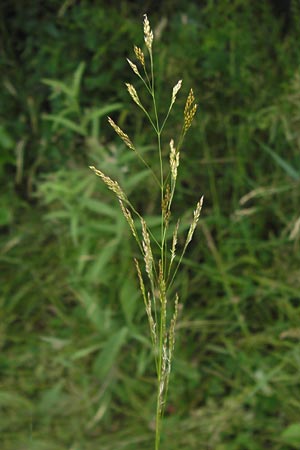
x=111, y=184
x=176, y=88
x=189, y=111
x=123, y=136
x=174, y=160
x=128, y=217
x=165, y=206
x=162, y=289
x=189, y=101
x=152, y=324
x=133, y=94
x=133, y=66
x=195, y=221
x=148, y=257
x=139, y=55
x=174, y=242
x=295, y=233
x=148, y=34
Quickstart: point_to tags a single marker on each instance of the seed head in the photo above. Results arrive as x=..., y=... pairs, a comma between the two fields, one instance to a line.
x=174, y=160
x=174, y=242
x=133, y=66
x=175, y=91
x=189, y=101
x=148, y=34
x=123, y=136
x=148, y=257
x=133, y=94
x=195, y=221
x=165, y=206
x=111, y=184
x=189, y=111
x=140, y=55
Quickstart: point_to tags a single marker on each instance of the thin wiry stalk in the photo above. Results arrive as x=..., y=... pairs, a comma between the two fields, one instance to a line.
x=162, y=319
x=158, y=270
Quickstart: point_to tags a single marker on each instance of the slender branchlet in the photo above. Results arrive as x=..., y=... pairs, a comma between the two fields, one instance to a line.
x=130, y=221
x=148, y=304
x=158, y=254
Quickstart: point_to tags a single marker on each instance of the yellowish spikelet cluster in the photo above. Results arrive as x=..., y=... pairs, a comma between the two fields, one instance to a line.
x=162, y=285
x=148, y=257
x=195, y=221
x=165, y=206
x=174, y=160
x=140, y=55
x=175, y=91
x=189, y=111
x=148, y=34
x=133, y=94
x=111, y=184
x=133, y=66
x=123, y=136
x=174, y=242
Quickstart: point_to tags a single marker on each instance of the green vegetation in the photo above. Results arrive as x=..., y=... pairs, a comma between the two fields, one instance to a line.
x=76, y=365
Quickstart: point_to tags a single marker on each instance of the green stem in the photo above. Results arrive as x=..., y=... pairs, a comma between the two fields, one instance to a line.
x=162, y=256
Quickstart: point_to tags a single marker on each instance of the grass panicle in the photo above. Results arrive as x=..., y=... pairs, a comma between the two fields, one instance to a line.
x=121, y=133
x=158, y=255
x=111, y=184
x=139, y=55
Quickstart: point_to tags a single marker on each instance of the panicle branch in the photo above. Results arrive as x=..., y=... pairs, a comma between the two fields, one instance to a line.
x=148, y=257
x=128, y=217
x=111, y=184
x=189, y=111
x=133, y=94
x=134, y=67
x=123, y=136
x=174, y=160
x=139, y=55
x=195, y=221
x=148, y=34
x=176, y=88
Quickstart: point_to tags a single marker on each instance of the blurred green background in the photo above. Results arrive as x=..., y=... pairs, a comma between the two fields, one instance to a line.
x=76, y=370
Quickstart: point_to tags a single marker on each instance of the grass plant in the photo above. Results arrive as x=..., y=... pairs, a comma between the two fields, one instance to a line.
x=72, y=330
x=159, y=253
